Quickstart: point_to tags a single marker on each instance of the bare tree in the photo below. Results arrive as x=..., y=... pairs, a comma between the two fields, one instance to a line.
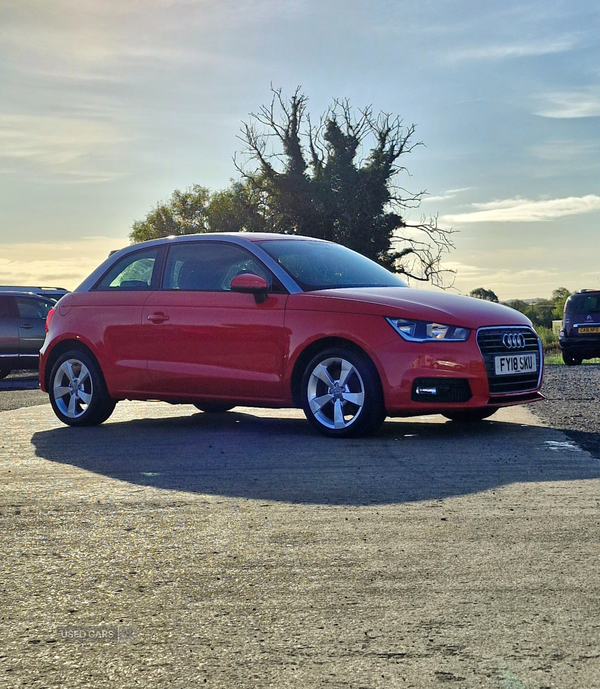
x=315, y=180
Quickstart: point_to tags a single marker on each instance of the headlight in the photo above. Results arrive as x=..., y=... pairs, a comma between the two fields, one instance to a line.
x=421, y=331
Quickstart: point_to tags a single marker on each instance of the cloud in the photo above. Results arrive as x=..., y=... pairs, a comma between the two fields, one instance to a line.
x=68, y=146
x=513, y=50
x=515, y=282
x=91, y=40
x=526, y=210
x=59, y=264
x=565, y=150
x=73, y=43
x=571, y=105
x=450, y=194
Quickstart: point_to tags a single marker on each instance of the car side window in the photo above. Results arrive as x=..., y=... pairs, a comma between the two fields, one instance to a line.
x=33, y=308
x=208, y=266
x=7, y=307
x=132, y=272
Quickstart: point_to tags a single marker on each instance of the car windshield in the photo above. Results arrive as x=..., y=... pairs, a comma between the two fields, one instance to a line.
x=585, y=303
x=318, y=265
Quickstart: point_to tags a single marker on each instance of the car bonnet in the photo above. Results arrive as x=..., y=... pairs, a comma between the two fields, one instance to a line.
x=406, y=302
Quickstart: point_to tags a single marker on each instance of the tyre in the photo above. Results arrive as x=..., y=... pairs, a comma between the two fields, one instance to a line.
x=77, y=390
x=341, y=394
x=4, y=372
x=470, y=415
x=571, y=360
x=209, y=408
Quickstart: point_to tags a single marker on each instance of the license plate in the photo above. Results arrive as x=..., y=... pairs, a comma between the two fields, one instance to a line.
x=588, y=329
x=516, y=363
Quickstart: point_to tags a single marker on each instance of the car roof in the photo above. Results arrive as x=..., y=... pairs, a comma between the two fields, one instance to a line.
x=22, y=293
x=230, y=236
x=239, y=238
x=30, y=288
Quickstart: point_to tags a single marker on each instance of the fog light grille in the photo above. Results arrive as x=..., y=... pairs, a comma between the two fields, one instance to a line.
x=441, y=390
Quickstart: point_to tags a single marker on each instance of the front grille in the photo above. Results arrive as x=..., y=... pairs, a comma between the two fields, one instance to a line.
x=441, y=390
x=491, y=345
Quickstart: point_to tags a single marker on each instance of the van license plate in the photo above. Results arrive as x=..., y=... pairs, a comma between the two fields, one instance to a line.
x=516, y=363
x=588, y=329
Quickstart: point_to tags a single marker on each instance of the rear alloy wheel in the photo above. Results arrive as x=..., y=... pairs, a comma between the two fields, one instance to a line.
x=341, y=394
x=470, y=415
x=571, y=360
x=4, y=372
x=78, y=393
x=214, y=408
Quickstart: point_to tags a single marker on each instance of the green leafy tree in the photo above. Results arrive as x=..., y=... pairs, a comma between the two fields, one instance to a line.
x=541, y=313
x=235, y=209
x=548, y=338
x=482, y=293
x=313, y=181
x=184, y=213
x=559, y=297
x=517, y=304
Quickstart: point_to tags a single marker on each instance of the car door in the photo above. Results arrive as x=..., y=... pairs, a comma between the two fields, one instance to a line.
x=31, y=324
x=110, y=315
x=9, y=332
x=205, y=340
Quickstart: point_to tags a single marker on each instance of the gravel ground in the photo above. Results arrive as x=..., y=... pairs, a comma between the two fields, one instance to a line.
x=244, y=550
x=571, y=405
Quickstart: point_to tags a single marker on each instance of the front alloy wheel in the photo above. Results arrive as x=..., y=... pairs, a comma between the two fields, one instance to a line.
x=78, y=392
x=341, y=394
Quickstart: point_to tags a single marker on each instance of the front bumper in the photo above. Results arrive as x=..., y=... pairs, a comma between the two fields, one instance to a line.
x=437, y=377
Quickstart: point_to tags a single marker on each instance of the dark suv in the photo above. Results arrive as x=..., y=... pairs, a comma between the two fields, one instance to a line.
x=54, y=293
x=22, y=329
x=579, y=337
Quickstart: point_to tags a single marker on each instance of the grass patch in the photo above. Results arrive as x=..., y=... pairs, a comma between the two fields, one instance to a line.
x=555, y=358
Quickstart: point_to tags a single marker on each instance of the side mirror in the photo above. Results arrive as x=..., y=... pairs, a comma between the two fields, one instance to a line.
x=249, y=283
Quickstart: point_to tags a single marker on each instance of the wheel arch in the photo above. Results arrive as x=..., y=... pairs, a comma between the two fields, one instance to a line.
x=59, y=350
x=312, y=350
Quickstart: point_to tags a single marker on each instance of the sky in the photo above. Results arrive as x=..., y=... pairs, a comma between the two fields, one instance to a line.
x=108, y=106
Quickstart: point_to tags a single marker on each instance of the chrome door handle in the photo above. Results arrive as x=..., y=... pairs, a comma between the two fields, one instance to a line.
x=27, y=326
x=158, y=317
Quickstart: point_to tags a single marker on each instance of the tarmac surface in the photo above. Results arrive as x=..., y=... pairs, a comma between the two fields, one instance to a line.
x=244, y=550
x=20, y=389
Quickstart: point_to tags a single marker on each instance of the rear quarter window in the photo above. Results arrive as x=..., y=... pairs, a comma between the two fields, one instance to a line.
x=133, y=272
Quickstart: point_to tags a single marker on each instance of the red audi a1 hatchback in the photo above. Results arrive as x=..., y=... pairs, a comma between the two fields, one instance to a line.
x=219, y=320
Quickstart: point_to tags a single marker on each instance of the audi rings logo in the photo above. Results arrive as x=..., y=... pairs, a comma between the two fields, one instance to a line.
x=514, y=340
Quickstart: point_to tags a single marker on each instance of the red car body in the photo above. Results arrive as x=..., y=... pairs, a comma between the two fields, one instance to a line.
x=223, y=347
